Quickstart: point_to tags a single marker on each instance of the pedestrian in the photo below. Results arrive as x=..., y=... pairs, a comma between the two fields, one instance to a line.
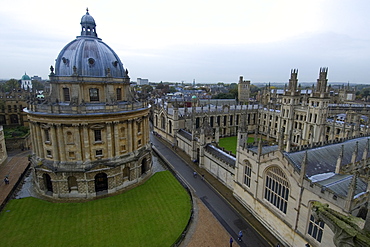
x=6, y=180
x=231, y=242
x=203, y=177
x=195, y=174
x=240, y=235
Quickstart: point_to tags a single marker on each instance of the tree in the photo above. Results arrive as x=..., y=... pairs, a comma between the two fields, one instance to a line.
x=36, y=85
x=11, y=85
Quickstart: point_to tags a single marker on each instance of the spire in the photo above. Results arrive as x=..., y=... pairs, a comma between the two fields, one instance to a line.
x=366, y=150
x=354, y=154
x=303, y=167
x=339, y=160
x=351, y=191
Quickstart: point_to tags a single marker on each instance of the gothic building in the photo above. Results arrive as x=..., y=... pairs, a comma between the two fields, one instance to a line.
x=306, y=149
x=89, y=136
x=11, y=107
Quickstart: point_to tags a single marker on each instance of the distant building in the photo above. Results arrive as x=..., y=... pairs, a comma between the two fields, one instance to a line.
x=26, y=82
x=11, y=107
x=244, y=88
x=141, y=81
x=36, y=78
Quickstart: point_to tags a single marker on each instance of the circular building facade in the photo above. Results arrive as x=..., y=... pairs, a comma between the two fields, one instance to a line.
x=89, y=135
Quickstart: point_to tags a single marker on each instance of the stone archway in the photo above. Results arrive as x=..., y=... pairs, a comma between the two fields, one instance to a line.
x=47, y=183
x=72, y=184
x=144, y=166
x=101, y=182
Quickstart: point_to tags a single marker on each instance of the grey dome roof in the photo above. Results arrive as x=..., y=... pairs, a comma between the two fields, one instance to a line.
x=88, y=55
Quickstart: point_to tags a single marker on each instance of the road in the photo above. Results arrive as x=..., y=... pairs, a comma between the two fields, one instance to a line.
x=232, y=221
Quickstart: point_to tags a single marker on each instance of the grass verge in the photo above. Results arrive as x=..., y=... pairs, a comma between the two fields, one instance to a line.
x=153, y=214
x=229, y=143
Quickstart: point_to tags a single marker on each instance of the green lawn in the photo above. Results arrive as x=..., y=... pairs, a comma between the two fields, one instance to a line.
x=153, y=214
x=229, y=143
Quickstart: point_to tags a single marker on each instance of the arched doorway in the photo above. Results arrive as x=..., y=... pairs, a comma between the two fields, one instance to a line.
x=126, y=174
x=47, y=183
x=101, y=182
x=72, y=183
x=144, y=166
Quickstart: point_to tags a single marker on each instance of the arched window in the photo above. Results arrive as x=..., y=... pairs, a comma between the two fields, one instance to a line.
x=163, y=122
x=13, y=119
x=119, y=94
x=94, y=94
x=69, y=137
x=126, y=173
x=123, y=132
x=247, y=173
x=72, y=183
x=277, y=188
x=315, y=228
x=66, y=95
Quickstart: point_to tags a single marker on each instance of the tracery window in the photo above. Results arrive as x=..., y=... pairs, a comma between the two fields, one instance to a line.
x=277, y=188
x=316, y=228
x=247, y=173
x=163, y=123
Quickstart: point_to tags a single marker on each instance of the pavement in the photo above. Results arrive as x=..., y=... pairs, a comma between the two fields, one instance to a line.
x=217, y=197
x=14, y=167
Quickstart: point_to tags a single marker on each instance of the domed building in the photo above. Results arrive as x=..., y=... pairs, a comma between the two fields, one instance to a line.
x=26, y=82
x=89, y=136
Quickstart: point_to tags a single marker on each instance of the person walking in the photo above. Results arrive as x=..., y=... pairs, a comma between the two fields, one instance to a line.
x=231, y=242
x=240, y=235
x=6, y=180
x=195, y=174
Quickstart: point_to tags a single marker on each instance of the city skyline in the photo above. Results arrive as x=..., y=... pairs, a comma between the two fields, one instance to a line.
x=207, y=41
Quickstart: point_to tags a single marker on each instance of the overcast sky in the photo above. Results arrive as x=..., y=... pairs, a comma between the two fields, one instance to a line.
x=209, y=41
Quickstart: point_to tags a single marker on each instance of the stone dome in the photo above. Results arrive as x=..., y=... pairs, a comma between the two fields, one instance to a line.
x=25, y=77
x=88, y=55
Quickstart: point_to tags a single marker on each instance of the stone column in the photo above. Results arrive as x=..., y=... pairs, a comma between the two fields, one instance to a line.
x=54, y=143
x=61, y=142
x=40, y=145
x=116, y=138
x=130, y=137
x=79, y=155
x=134, y=134
x=33, y=138
x=109, y=140
x=86, y=143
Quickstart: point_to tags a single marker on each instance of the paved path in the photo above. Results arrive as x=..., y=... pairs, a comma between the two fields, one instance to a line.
x=225, y=212
x=13, y=167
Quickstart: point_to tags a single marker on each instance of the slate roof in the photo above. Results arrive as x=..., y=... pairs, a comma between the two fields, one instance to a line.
x=324, y=159
x=225, y=157
x=340, y=183
x=265, y=149
x=185, y=134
